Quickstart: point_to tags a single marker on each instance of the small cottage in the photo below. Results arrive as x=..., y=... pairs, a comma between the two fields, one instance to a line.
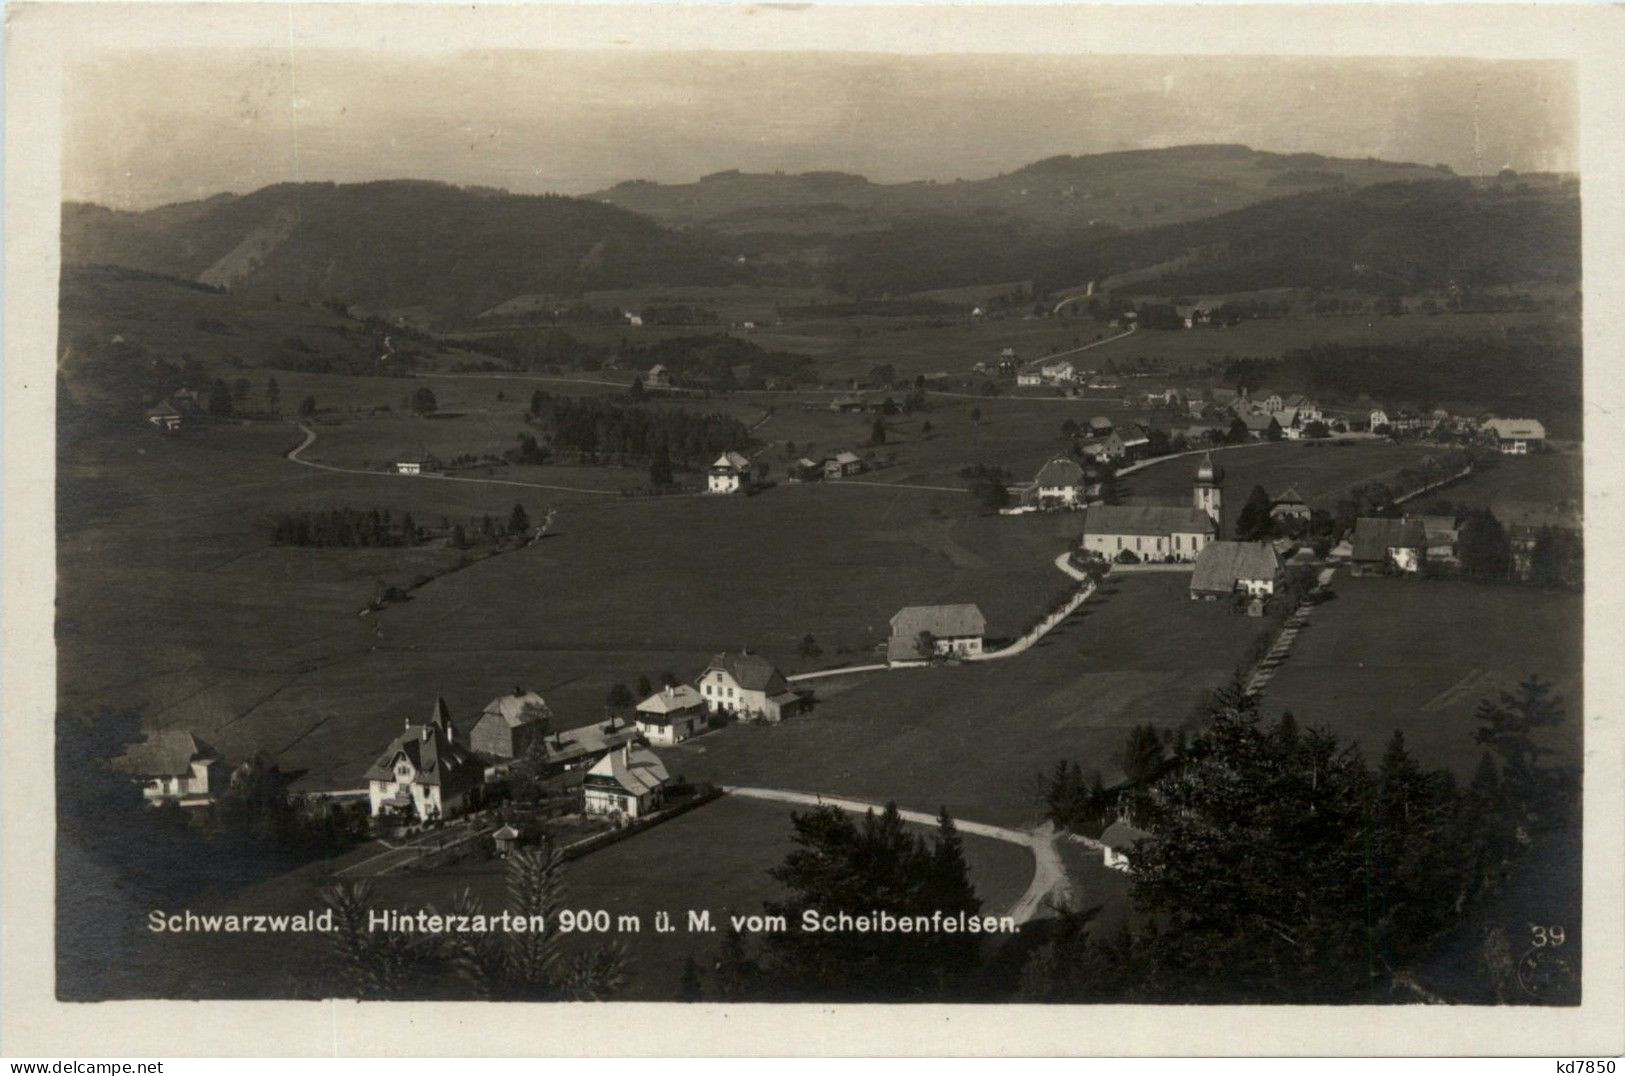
x=172, y=765
x=924, y=631
x=729, y=474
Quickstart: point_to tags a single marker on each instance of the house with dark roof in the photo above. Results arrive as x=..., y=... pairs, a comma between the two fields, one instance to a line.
x=1117, y=844
x=1289, y=504
x=1226, y=568
x=671, y=715
x=424, y=774
x=1148, y=531
x=511, y=724
x=166, y=417
x=629, y=781
x=172, y=765
x=925, y=631
x=1514, y=436
x=749, y=686
x=1060, y=483
x=1383, y=545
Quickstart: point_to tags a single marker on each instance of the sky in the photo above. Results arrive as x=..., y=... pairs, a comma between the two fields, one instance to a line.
x=151, y=128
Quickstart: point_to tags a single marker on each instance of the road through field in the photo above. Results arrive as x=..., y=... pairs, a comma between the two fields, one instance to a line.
x=310, y=439
x=1049, y=873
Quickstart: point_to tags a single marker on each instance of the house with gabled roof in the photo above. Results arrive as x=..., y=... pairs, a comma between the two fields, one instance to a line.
x=729, y=474
x=165, y=417
x=1514, y=436
x=843, y=464
x=749, y=686
x=658, y=377
x=172, y=765
x=671, y=715
x=510, y=725
x=1289, y=504
x=1382, y=545
x=1226, y=568
x=1060, y=482
x=629, y=781
x=424, y=774
x=925, y=631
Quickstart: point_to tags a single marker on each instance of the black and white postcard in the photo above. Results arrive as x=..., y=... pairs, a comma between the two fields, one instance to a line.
x=978, y=512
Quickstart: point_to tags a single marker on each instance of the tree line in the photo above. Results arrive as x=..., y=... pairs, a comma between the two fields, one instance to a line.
x=595, y=427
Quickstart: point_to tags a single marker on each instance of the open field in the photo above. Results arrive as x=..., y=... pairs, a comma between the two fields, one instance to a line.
x=1543, y=488
x=1418, y=656
x=254, y=646
x=713, y=858
x=971, y=738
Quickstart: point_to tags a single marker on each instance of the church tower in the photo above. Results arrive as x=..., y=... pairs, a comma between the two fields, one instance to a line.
x=1208, y=495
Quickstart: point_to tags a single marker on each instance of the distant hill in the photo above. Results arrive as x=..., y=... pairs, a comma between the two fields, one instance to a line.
x=1132, y=189
x=1396, y=237
x=393, y=245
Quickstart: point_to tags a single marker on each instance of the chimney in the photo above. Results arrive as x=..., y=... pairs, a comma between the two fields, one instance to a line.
x=407, y=723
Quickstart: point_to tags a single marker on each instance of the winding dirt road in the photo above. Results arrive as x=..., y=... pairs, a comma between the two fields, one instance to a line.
x=1049, y=874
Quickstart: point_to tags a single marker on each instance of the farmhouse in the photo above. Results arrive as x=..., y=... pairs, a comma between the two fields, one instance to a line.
x=1057, y=370
x=1514, y=436
x=671, y=715
x=1060, y=482
x=172, y=765
x=1260, y=424
x=729, y=474
x=1377, y=418
x=630, y=781
x=847, y=404
x=1134, y=442
x=1441, y=533
x=806, y=470
x=658, y=377
x=1272, y=403
x=1117, y=844
x=423, y=773
x=1308, y=411
x=510, y=725
x=747, y=685
x=409, y=467
x=1289, y=504
x=1225, y=568
x=1029, y=378
x=919, y=631
x=842, y=464
x=1389, y=544
x=166, y=417
x=1100, y=426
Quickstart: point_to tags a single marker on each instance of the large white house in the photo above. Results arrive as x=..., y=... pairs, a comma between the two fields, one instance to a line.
x=747, y=685
x=1515, y=436
x=629, y=781
x=950, y=630
x=672, y=715
x=729, y=474
x=173, y=765
x=423, y=773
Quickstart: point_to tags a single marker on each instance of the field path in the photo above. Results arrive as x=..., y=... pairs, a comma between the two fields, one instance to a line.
x=1049, y=873
x=310, y=439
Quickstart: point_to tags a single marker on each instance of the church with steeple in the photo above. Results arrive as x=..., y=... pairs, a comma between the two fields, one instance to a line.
x=1208, y=493
x=1158, y=534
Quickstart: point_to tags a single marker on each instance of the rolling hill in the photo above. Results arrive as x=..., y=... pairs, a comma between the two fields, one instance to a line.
x=396, y=245
x=1131, y=189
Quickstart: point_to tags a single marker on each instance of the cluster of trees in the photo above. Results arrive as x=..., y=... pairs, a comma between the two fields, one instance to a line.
x=500, y=965
x=343, y=528
x=858, y=867
x=596, y=427
x=988, y=485
x=1283, y=868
